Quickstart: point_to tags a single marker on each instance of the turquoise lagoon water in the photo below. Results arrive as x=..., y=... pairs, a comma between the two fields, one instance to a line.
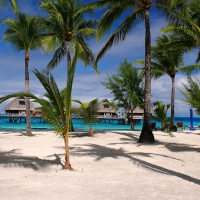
x=40, y=124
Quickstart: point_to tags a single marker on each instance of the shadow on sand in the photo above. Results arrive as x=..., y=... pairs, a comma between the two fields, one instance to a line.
x=14, y=159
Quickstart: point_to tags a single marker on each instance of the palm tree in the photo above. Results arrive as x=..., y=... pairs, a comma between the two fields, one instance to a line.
x=127, y=89
x=53, y=106
x=138, y=10
x=89, y=113
x=24, y=34
x=191, y=91
x=188, y=31
x=168, y=59
x=67, y=30
x=13, y=4
x=160, y=114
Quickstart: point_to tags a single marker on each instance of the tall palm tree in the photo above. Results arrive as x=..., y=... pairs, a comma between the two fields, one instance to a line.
x=66, y=31
x=24, y=34
x=169, y=60
x=13, y=4
x=53, y=106
x=138, y=10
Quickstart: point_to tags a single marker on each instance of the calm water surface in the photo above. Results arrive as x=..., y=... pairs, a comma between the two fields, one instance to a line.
x=40, y=124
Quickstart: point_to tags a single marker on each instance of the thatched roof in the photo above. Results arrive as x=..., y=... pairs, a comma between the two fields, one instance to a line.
x=18, y=104
x=105, y=107
x=140, y=111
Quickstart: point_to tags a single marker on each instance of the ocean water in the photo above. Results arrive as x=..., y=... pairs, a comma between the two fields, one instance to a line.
x=40, y=124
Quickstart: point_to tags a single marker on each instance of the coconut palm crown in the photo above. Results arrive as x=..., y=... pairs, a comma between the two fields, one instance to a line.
x=65, y=28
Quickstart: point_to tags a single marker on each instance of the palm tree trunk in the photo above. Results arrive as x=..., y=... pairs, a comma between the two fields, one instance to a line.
x=28, y=117
x=68, y=56
x=67, y=153
x=146, y=135
x=67, y=161
x=172, y=100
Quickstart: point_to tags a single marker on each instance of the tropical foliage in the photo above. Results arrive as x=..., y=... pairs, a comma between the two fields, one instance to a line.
x=187, y=29
x=160, y=114
x=168, y=59
x=53, y=106
x=66, y=30
x=89, y=113
x=191, y=92
x=137, y=11
x=24, y=34
x=13, y=4
x=127, y=89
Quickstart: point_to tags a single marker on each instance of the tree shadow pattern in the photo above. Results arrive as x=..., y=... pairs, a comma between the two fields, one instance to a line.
x=13, y=159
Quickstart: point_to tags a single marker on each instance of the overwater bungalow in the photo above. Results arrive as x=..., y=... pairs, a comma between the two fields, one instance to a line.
x=106, y=110
x=17, y=107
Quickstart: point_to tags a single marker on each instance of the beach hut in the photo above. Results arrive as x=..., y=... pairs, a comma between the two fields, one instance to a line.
x=105, y=110
x=17, y=107
x=138, y=113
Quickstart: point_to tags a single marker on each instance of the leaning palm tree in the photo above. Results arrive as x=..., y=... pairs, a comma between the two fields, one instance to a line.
x=53, y=106
x=89, y=113
x=13, y=4
x=24, y=34
x=169, y=60
x=138, y=11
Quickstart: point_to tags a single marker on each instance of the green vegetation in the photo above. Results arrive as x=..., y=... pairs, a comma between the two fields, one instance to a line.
x=191, y=92
x=24, y=34
x=89, y=113
x=160, y=114
x=53, y=106
x=168, y=59
x=127, y=89
x=13, y=4
x=138, y=10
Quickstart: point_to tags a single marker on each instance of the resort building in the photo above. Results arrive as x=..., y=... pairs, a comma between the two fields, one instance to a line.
x=106, y=110
x=17, y=107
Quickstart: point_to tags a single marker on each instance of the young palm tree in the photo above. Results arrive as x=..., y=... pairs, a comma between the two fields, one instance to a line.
x=160, y=114
x=53, y=107
x=169, y=60
x=138, y=10
x=191, y=91
x=127, y=89
x=13, y=4
x=89, y=113
x=24, y=34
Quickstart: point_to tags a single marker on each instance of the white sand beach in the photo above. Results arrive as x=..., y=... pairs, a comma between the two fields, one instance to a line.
x=110, y=166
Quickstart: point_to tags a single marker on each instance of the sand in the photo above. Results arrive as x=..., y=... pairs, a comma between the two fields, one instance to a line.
x=110, y=166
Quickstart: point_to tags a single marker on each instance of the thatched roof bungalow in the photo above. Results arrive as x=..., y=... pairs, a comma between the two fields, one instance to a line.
x=17, y=107
x=106, y=110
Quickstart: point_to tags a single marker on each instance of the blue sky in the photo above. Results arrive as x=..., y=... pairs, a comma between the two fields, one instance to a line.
x=87, y=84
